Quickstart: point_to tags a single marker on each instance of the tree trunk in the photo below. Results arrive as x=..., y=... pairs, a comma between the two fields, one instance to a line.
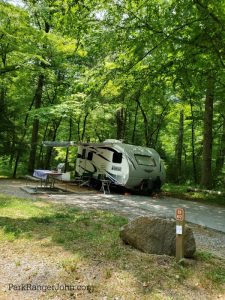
x=52, y=136
x=146, y=123
x=34, y=139
x=135, y=124
x=2, y=103
x=120, y=121
x=193, y=144
x=206, y=171
x=156, y=131
x=78, y=128
x=20, y=144
x=180, y=147
x=84, y=126
x=37, y=104
x=221, y=153
x=70, y=135
x=40, y=159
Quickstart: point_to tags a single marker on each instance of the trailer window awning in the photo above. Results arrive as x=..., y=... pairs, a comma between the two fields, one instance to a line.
x=72, y=143
x=59, y=144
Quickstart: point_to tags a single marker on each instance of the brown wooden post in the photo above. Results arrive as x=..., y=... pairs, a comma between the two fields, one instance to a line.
x=180, y=223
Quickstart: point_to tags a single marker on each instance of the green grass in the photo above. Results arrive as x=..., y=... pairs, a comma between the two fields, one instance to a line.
x=217, y=275
x=204, y=256
x=23, y=209
x=63, y=225
x=180, y=191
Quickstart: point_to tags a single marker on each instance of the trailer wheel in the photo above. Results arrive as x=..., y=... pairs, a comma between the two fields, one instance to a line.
x=146, y=187
x=157, y=185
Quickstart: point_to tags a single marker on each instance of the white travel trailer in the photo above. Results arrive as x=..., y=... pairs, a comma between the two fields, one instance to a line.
x=132, y=167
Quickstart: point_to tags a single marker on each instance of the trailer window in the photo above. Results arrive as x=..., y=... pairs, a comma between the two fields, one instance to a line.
x=83, y=153
x=90, y=155
x=117, y=157
x=145, y=160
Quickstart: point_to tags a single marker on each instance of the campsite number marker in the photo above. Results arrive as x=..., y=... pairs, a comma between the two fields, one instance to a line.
x=180, y=223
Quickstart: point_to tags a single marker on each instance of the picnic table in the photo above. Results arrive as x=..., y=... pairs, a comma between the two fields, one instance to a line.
x=47, y=177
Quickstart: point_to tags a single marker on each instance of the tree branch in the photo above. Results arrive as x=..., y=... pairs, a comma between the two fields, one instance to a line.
x=9, y=69
x=163, y=41
x=205, y=7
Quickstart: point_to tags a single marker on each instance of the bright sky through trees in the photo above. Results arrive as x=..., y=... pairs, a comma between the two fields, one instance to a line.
x=15, y=2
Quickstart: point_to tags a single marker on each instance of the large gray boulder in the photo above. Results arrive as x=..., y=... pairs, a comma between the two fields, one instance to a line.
x=157, y=236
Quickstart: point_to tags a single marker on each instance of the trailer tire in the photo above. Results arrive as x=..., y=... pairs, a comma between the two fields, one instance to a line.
x=146, y=187
x=157, y=185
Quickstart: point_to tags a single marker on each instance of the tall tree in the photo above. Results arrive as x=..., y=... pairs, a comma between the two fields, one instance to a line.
x=35, y=129
x=179, y=148
x=206, y=173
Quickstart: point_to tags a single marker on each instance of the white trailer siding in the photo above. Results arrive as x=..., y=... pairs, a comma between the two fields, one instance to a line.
x=143, y=162
x=133, y=167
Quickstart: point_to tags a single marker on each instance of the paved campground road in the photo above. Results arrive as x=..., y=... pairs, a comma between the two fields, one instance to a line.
x=210, y=235
x=201, y=214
